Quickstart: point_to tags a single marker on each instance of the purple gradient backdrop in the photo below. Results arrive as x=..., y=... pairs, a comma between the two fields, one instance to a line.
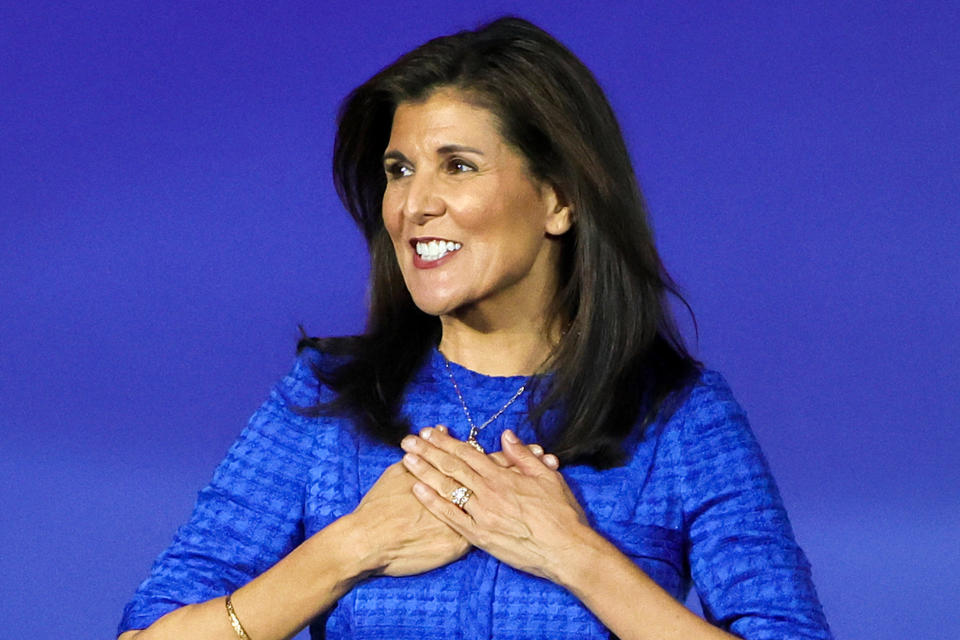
x=167, y=218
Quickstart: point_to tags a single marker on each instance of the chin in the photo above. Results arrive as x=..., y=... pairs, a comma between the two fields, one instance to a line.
x=435, y=305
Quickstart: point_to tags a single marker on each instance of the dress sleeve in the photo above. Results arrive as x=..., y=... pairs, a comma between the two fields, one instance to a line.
x=247, y=518
x=752, y=577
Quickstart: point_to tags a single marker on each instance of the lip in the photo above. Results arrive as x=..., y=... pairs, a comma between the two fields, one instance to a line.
x=420, y=263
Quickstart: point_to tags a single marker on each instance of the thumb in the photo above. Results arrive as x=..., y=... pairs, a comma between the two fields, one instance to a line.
x=520, y=455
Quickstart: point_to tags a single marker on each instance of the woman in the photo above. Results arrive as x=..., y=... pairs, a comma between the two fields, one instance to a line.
x=516, y=296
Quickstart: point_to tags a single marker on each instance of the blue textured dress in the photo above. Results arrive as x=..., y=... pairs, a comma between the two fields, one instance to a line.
x=695, y=504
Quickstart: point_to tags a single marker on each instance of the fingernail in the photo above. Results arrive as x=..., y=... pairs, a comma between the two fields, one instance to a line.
x=407, y=443
x=511, y=436
x=537, y=449
x=411, y=459
x=441, y=428
x=425, y=433
x=420, y=489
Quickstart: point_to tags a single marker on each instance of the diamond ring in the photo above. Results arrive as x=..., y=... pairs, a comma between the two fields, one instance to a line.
x=460, y=496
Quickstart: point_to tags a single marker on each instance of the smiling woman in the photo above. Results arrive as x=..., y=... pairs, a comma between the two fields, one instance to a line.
x=475, y=235
x=514, y=279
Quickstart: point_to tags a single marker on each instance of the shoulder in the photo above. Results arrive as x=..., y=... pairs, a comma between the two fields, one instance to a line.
x=707, y=399
x=317, y=359
x=287, y=417
x=709, y=426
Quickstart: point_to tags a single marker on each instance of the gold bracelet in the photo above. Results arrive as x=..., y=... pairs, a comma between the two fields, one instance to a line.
x=235, y=621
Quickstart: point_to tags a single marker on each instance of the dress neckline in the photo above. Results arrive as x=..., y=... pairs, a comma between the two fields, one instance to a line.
x=469, y=377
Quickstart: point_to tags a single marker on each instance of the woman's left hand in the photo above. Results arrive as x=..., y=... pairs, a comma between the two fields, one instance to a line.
x=525, y=514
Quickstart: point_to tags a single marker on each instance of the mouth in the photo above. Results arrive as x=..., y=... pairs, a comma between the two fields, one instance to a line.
x=433, y=249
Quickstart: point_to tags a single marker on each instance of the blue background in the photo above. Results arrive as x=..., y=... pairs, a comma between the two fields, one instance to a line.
x=167, y=218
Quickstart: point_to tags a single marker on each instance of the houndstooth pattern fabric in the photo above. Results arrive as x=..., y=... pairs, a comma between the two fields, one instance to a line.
x=695, y=505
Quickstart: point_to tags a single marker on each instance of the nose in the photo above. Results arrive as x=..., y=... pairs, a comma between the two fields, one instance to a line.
x=423, y=199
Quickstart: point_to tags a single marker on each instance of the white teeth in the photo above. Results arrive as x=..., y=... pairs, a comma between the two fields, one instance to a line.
x=434, y=250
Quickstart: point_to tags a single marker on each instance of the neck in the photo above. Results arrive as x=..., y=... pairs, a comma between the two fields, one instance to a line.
x=513, y=349
x=511, y=333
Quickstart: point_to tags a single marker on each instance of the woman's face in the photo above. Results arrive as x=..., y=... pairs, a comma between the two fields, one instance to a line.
x=472, y=230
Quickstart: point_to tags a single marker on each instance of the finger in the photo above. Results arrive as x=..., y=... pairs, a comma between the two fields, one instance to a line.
x=441, y=484
x=456, y=518
x=519, y=455
x=535, y=449
x=500, y=459
x=451, y=455
x=503, y=462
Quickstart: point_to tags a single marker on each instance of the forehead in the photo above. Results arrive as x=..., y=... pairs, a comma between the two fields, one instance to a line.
x=445, y=116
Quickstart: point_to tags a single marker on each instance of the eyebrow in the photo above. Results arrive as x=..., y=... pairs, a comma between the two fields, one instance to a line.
x=394, y=155
x=446, y=149
x=458, y=148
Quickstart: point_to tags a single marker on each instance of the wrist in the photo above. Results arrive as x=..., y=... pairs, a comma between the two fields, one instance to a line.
x=359, y=556
x=582, y=558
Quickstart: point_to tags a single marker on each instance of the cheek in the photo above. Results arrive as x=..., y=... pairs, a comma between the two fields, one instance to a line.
x=391, y=216
x=518, y=225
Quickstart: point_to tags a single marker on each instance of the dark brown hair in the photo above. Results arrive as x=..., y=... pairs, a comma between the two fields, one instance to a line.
x=621, y=359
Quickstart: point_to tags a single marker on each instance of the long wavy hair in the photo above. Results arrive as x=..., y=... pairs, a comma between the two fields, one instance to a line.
x=621, y=360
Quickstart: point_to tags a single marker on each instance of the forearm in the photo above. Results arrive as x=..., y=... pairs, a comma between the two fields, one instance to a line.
x=281, y=601
x=624, y=598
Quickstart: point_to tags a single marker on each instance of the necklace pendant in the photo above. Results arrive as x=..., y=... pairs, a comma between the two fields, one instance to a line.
x=472, y=441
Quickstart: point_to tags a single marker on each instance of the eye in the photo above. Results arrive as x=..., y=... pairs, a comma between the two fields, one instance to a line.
x=396, y=170
x=459, y=165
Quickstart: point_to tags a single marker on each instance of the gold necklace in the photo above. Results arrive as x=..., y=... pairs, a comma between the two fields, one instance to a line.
x=474, y=429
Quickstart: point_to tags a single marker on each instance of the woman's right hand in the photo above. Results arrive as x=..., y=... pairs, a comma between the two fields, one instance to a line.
x=400, y=536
